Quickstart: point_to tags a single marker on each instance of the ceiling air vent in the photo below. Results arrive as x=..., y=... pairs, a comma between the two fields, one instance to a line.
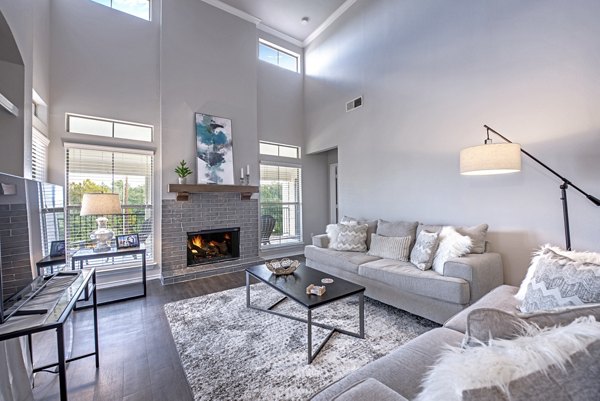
x=353, y=104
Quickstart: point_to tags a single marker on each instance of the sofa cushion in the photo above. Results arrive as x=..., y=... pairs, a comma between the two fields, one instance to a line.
x=432, y=228
x=560, y=281
x=369, y=389
x=406, y=277
x=402, y=369
x=343, y=260
x=502, y=297
x=398, y=229
x=396, y=248
x=348, y=237
x=372, y=226
x=477, y=235
x=424, y=249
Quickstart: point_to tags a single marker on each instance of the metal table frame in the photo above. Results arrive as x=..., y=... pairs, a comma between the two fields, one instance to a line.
x=60, y=336
x=332, y=329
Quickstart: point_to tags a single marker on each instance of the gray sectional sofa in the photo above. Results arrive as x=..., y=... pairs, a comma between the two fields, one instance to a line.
x=400, y=284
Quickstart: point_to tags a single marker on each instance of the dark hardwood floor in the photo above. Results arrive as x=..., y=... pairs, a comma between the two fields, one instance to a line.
x=138, y=358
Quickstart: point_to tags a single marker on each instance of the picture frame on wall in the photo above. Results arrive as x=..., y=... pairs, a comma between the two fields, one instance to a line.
x=214, y=150
x=57, y=248
x=128, y=241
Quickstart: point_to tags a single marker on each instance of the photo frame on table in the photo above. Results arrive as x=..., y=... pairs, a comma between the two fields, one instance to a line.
x=57, y=248
x=128, y=241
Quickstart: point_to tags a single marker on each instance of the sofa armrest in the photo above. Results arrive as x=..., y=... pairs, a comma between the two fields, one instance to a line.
x=320, y=241
x=484, y=272
x=368, y=389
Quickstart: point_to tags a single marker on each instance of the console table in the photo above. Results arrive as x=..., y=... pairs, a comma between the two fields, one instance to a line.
x=46, y=305
x=84, y=255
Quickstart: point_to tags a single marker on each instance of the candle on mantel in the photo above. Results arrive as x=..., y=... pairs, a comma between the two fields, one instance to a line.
x=242, y=172
x=247, y=169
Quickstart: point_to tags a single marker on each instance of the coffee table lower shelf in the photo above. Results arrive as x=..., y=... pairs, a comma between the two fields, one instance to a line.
x=332, y=329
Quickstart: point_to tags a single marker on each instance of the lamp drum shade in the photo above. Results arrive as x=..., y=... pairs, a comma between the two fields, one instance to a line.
x=501, y=158
x=93, y=204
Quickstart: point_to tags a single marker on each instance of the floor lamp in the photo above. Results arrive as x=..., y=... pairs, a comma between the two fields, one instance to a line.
x=504, y=158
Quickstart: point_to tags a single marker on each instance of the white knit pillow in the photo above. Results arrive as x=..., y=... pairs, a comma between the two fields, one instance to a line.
x=397, y=248
x=452, y=245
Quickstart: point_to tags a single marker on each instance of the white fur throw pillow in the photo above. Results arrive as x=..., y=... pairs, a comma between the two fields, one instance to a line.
x=490, y=369
x=583, y=257
x=452, y=245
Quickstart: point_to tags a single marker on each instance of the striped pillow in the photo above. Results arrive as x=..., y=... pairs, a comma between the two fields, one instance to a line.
x=397, y=248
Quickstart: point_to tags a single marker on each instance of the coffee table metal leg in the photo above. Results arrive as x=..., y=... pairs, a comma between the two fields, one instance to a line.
x=361, y=313
x=309, y=324
x=247, y=290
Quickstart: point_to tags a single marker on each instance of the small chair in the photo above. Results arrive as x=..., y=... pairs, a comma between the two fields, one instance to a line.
x=267, y=226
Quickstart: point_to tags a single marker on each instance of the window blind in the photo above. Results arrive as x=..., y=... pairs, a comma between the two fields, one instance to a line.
x=127, y=173
x=39, y=155
x=281, y=198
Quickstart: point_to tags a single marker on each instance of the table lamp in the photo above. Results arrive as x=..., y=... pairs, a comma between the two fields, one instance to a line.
x=101, y=204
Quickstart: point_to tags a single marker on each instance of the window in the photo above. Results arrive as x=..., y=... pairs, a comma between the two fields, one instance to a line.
x=103, y=169
x=279, y=56
x=108, y=128
x=137, y=8
x=273, y=149
x=39, y=155
x=280, y=204
x=52, y=214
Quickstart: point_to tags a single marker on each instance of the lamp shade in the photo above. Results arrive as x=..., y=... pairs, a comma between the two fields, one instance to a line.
x=490, y=159
x=100, y=204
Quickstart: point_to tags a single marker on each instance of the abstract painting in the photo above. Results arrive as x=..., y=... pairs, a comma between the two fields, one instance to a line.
x=214, y=150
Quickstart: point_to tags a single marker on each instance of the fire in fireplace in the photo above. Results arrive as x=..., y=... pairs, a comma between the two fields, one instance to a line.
x=210, y=246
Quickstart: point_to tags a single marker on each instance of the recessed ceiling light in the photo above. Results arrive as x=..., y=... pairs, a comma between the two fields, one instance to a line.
x=304, y=20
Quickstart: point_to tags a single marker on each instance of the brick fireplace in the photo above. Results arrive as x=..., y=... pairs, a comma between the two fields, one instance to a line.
x=213, y=215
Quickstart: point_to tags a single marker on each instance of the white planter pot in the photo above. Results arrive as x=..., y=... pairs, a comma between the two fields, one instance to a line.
x=182, y=180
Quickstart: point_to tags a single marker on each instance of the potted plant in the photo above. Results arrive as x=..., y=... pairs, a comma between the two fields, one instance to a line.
x=182, y=171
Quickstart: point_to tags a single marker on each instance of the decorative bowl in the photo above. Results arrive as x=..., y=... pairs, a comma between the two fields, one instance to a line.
x=283, y=266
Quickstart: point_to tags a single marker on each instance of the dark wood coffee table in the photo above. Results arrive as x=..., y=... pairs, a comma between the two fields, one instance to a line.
x=293, y=286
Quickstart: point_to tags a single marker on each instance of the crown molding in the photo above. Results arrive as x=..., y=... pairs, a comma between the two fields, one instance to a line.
x=234, y=11
x=330, y=20
x=280, y=35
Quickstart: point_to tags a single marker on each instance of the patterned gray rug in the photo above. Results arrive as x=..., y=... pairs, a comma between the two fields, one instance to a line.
x=230, y=352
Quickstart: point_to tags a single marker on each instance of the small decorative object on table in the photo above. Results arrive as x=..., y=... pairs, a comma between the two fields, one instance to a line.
x=315, y=289
x=283, y=266
x=327, y=280
x=128, y=241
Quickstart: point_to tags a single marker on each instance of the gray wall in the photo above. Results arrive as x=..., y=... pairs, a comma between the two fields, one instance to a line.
x=208, y=65
x=281, y=120
x=432, y=73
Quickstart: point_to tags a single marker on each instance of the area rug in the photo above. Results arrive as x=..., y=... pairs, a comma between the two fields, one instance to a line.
x=230, y=352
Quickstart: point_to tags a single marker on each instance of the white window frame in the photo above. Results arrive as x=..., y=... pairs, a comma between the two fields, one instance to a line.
x=280, y=49
x=279, y=147
x=39, y=155
x=108, y=120
x=125, y=12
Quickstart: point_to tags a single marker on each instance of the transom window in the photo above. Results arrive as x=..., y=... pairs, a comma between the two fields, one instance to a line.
x=271, y=53
x=275, y=149
x=137, y=8
x=86, y=125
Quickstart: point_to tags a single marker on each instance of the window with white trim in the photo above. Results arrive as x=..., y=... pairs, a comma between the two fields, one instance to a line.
x=103, y=169
x=137, y=8
x=280, y=204
x=39, y=155
x=86, y=125
x=279, y=56
x=275, y=149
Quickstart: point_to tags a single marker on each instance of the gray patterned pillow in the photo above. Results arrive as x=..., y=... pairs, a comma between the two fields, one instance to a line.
x=424, y=250
x=343, y=237
x=561, y=281
x=397, y=248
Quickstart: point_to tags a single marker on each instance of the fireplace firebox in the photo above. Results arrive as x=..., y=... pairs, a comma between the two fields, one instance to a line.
x=210, y=246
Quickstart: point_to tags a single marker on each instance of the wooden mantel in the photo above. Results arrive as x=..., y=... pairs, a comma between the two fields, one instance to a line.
x=184, y=190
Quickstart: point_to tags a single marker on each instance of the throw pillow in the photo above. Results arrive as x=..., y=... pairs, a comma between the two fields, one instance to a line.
x=343, y=237
x=452, y=245
x=424, y=250
x=397, y=228
x=396, y=248
x=586, y=257
x=560, y=281
x=487, y=324
x=371, y=223
x=477, y=235
x=557, y=363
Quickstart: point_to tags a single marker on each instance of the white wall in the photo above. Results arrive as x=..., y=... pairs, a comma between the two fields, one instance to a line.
x=208, y=64
x=432, y=73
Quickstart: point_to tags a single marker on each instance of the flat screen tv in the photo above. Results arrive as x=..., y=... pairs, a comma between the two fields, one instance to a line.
x=31, y=217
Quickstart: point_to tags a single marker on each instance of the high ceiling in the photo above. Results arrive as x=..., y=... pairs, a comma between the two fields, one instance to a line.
x=286, y=15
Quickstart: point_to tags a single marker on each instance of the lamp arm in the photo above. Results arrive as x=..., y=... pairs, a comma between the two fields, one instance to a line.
x=591, y=198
